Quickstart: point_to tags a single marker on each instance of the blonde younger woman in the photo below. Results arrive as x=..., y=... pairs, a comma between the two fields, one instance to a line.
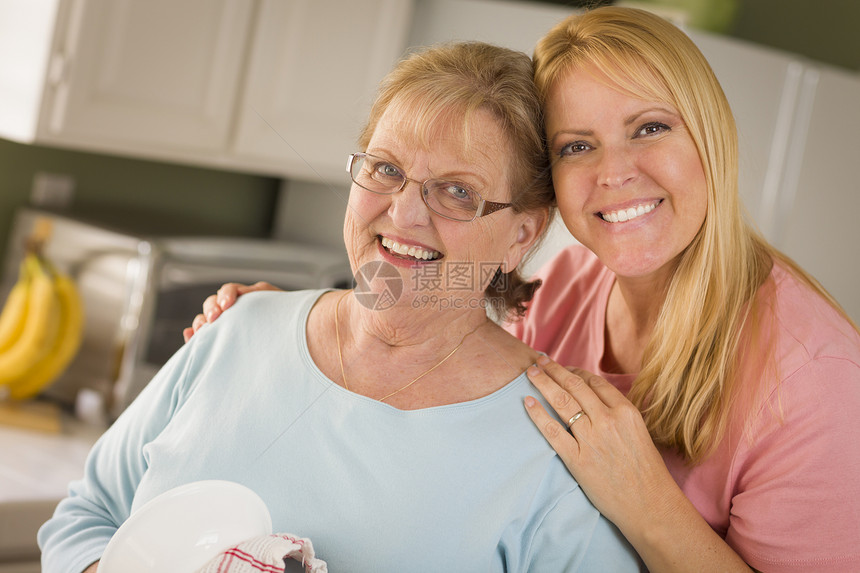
x=727, y=435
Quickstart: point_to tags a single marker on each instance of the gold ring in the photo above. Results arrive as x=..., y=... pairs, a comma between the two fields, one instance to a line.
x=574, y=418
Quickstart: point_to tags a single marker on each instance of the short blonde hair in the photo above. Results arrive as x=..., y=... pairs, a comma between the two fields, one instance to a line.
x=450, y=83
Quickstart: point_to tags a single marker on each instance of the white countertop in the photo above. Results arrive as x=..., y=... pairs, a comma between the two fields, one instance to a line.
x=38, y=466
x=35, y=471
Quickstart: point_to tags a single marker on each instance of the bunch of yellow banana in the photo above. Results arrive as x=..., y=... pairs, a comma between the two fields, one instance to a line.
x=41, y=326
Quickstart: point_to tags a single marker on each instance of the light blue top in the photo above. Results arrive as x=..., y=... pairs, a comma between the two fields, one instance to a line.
x=469, y=487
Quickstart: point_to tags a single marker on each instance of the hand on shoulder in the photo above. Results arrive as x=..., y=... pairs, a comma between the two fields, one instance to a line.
x=217, y=303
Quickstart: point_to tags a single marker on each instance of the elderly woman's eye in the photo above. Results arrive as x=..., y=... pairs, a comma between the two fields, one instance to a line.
x=387, y=170
x=458, y=193
x=385, y=173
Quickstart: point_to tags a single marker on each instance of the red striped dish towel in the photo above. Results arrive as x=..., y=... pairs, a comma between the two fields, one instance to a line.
x=266, y=554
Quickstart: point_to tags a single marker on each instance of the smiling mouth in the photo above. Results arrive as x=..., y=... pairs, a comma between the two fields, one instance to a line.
x=413, y=252
x=624, y=215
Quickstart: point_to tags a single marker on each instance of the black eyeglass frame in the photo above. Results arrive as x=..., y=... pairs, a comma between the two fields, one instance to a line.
x=484, y=207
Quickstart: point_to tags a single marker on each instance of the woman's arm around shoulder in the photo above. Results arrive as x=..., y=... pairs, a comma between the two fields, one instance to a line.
x=217, y=303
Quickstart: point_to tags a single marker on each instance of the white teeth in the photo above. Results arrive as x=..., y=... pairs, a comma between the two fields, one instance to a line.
x=623, y=215
x=414, y=252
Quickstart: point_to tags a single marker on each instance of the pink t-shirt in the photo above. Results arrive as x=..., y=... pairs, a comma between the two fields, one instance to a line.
x=785, y=492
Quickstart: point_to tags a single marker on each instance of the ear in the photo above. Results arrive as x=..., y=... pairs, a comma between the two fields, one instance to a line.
x=529, y=228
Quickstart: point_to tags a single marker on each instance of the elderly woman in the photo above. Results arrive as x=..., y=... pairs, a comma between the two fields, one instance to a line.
x=385, y=423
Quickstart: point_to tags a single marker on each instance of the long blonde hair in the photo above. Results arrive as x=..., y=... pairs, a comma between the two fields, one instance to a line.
x=685, y=387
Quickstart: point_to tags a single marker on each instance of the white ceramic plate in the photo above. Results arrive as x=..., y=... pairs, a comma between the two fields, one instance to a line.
x=183, y=528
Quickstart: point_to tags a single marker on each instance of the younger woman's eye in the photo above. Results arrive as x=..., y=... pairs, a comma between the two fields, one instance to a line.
x=573, y=148
x=653, y=128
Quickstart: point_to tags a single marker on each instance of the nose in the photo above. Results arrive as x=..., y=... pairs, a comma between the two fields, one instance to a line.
x=407, y=207
x=617, y=167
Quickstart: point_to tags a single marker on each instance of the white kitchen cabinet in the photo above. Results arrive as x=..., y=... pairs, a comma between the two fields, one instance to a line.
x=821, y=199
x=266, y=86
x=762, y=86
x=26, y=29
x=314, y=69
x=131, y=75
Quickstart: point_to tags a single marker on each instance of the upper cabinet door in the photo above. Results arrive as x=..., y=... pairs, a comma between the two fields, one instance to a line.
x=129, y=74
x=314, y=70
x=762, y=86
x=821, y=191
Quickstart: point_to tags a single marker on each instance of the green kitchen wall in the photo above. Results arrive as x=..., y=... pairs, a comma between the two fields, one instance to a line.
x=822, y=30
x=168, y=198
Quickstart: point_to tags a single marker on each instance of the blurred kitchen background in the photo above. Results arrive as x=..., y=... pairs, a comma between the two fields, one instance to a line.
x=178, y=144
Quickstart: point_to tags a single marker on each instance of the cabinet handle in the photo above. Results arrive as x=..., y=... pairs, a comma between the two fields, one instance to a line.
x=58, y=71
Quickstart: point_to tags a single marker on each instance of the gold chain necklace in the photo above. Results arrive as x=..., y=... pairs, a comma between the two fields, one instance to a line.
x=414, y=380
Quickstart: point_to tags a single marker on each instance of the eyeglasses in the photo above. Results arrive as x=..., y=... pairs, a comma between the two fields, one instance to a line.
x=445, y=198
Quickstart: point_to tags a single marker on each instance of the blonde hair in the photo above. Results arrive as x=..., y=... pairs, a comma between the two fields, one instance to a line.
x=685, y=387
x=447, y=85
